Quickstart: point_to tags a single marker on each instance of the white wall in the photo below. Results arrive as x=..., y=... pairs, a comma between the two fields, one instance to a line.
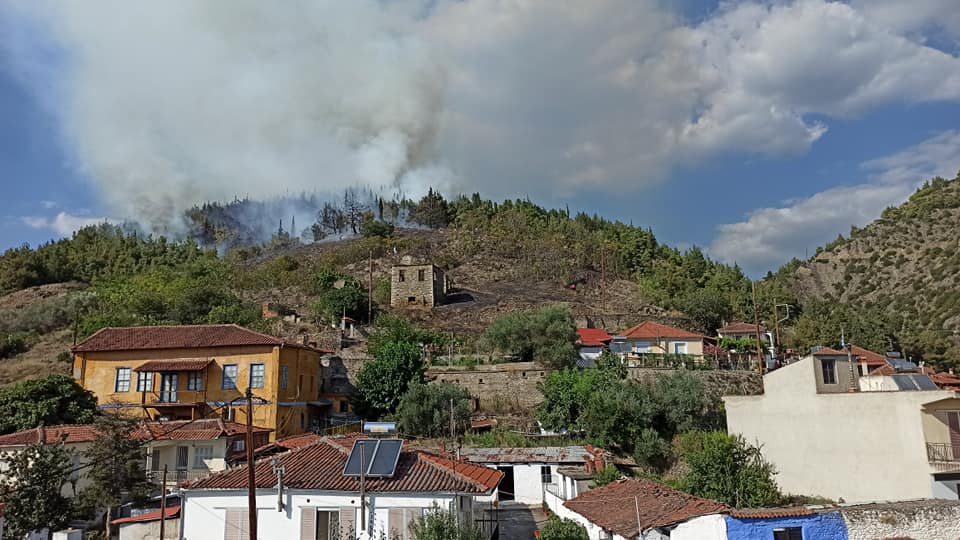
x=150, y=530
x=712, y=527
x=203, y=512
x=527, y=485
x=863, y=446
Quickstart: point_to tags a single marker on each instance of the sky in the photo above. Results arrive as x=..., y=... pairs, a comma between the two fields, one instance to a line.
x=757, y=130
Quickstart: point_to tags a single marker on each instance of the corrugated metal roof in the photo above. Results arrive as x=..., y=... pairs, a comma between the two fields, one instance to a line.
x=319, y=466
x=546, y=454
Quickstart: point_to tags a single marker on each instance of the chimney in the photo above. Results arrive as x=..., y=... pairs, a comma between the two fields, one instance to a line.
x=588, y=465
x=598, y=462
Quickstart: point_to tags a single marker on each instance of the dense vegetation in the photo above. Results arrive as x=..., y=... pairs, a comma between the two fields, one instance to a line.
x=547, y=335
x=50, y=401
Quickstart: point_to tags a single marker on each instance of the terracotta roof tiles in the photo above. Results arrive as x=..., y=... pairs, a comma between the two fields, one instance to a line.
x=771, y=513
x=654, y=330
x=593, y=337
x=319, y=466
x=612, y=506
x=170, y=512
x=176, y=337
x=51, y=435
x=179, y=430
x=739, y=328
x=178, y=364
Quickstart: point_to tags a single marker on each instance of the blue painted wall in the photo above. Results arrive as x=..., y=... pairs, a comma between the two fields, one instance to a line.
x=825, y=526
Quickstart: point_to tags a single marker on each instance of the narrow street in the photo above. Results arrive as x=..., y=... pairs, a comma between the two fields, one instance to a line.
x=519, y=522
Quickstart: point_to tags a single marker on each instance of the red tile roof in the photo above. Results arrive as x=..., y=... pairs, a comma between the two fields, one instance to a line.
x=868, y=357
x=82, y=433
x=319, y=466
x=739, y=328
x=169, y=513
x=827, y=351
x=771, y=513
x=176, y=337
x=593, y=337
x=179, y=430
x=653, y=330
x=179, y=364
x=612, y=506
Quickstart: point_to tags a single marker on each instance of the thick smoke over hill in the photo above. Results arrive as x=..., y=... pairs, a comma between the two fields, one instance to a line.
x=194, y=101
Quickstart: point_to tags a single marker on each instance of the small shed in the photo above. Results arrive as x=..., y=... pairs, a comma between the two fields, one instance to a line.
x=146, y=526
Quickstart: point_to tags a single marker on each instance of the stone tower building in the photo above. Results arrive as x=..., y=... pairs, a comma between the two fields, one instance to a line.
x=420, y=285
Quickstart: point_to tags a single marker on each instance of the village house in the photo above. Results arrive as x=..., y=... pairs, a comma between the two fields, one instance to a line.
x=202, y=371
x=740, y=330
x=632, y=509
x=189, y=449
x=321, y=495
x=146, y=526
x=831, y=433
x=591, y=343
x=652, y=338
x=412, y=284
x=529, y=472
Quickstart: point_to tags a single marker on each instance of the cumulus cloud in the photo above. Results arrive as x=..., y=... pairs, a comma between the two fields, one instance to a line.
x=63, y=224
x=771, y=236
x=209, y=100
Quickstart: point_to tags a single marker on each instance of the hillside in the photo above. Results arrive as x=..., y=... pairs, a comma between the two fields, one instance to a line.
x=500, y=257
x=902, y=270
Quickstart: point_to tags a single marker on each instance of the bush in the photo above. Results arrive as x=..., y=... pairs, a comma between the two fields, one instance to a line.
x=728, y=469
x=563, y=529
x=13, y=344
x=425, y=410
x=607, y=475
x=53, y=400
x=440, y=524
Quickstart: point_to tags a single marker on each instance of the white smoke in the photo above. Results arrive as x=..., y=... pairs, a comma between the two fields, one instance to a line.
x=179, y=102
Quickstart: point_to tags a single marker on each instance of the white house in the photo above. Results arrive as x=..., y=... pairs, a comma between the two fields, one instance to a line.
x=528, y=472
x=318, y=500
x=827, y=437
x=631, y=509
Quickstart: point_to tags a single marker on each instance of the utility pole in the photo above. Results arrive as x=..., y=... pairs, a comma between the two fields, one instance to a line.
x=453, y=433
x=163, y=501
x=363, y=504
x=251, y=470
x=756, y=322
x=636, y=505
x=603, y=283
x=279, y=470
x=370, y=288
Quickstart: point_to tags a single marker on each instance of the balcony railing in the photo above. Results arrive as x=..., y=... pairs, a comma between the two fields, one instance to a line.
x=166, y=397
x=943, y=452
x=177, y=476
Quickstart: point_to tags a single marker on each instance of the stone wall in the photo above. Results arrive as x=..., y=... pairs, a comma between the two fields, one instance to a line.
x=512, y=387
x=919, y=520
x=416, y=285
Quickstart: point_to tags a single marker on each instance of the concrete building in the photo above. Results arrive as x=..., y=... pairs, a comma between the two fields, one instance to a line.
x=827, y=438
x=529, y=472
x=320, y=501
x=652, y=338
x=417, y=285
x=203, y=371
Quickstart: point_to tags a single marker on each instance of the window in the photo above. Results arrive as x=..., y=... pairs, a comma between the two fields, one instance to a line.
x=829, y=368
x=788, y=533
x=303, y=421
x=642, y=347
x=400, y=521
x=680, y=348
x=235, y=523
x=122, y=383
x=421, y=274
x=256, y=375
x=284, y=377
x=401, y=276
x=144, y=381
x=546, y=476
x=344, y=406
x=195, y=381
x=201, y=455
x=239, y=446
x=229, y=377
x=411, y=299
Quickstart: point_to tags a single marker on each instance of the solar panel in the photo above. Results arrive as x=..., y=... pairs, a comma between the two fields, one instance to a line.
x=362, y=448
x=378, y=456
x=913, y=381
x=924, y=382
x=384, y=461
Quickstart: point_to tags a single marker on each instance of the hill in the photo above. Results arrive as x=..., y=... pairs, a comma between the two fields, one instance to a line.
x=900, y=274
x=501, y=258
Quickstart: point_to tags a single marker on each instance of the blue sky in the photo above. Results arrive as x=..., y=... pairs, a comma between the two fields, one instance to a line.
x=757, y=130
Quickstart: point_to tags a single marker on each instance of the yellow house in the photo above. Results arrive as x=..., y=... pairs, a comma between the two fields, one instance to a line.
x=203, y=371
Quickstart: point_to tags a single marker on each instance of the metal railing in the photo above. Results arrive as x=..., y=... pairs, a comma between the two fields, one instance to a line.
x=943, y=452
x=177, y=476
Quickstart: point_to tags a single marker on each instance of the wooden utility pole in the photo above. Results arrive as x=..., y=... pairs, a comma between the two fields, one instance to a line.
x=603, y=282
x=756, y=322
x=363, y=477
x=370, y=288
x=163, y=502
x=251, y=471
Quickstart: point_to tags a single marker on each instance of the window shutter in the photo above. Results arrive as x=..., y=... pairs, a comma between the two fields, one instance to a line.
x=395, y=522
x=235, y=524
x=308, y=523
x=348, y=521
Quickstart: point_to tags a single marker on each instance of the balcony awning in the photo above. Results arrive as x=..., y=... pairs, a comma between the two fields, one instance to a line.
x=179, y=364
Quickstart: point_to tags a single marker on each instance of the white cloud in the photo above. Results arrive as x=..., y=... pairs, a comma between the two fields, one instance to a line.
x=63, y=224
x=207, y=100
x=771, y=236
